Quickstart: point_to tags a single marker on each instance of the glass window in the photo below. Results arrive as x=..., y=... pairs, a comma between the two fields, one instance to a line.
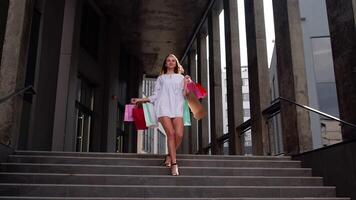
x=324, y=76
x=247, y=113
x=245, y=81
x=246, y=97
x=90, y=26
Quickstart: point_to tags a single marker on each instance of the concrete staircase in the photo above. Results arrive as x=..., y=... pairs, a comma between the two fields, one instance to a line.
x=64, y=175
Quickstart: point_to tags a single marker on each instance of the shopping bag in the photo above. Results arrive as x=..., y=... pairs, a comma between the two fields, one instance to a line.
x=197, y=89
x=128, y=113
x=139, y=118
x=195, y=106
x=150, y=115
x=186, y=114
x=200, y=91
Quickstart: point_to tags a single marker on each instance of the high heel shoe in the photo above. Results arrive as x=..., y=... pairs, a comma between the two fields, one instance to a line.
x=167, y=162
x=174, y=169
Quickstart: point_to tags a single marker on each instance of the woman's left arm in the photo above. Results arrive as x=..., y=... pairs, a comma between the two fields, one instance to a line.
x=186, y=80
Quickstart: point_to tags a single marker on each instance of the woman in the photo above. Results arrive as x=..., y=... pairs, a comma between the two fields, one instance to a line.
x=168, y=98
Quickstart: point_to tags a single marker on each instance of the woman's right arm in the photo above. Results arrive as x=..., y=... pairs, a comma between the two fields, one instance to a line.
x=156, y=90
x=139, y=100
x=151, y=98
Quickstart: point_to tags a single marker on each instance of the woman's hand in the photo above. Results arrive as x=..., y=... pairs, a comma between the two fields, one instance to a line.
x=139, y=101
x=187, y=79
x=135, y=100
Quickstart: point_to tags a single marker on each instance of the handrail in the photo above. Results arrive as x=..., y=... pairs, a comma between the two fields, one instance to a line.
x=23, y=90
x=245, y=126
x=273, y=110
x=197, y=29
x=242, y=128
x=277, y=103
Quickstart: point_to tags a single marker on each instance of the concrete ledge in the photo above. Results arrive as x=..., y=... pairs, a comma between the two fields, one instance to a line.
x=5, y=151
x=336, y=163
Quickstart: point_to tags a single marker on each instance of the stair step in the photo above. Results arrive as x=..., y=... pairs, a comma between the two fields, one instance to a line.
x=102, y=176
x=56, y=190
x=127, y=198
x=152, y=161
x=134, y=155
x=150, y=170
x=111, y=179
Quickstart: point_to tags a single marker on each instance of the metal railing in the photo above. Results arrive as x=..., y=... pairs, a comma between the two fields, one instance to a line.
x=276, y=107
x=272, y=111
x=26, y=90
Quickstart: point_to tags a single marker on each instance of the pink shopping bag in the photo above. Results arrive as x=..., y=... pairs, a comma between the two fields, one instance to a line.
x=128, y=112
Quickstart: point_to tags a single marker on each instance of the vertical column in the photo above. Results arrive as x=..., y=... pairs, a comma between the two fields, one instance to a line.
x=258, y=74
x=342, y=23
x=12, y=69
x=233, y=75
x=216, y=106
x=66, y=62
x=292, y=76
x=4, y=6
x=203, y=80
x=113, y=88
x=193, y=139
x=45, y=79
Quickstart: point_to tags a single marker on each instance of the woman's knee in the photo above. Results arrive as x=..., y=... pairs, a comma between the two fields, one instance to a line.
x=170, y=135
x=179, y=135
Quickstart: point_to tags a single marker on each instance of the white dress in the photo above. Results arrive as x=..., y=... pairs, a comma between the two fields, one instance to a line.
x=168, y=95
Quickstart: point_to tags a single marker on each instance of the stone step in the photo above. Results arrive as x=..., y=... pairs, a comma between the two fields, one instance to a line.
x=70, y=190
x=134, y=155
x=126, y=198
x=111, y=179
x=150, y=170
x=153, y=161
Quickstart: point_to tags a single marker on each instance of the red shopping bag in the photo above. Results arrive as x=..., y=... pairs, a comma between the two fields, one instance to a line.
x=198, y=90
x=201, y=90
x=139, y=118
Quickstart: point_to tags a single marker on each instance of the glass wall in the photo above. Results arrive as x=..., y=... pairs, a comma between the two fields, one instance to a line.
x=326, y=89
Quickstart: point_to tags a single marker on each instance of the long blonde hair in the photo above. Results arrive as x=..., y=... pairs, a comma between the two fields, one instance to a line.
x=178, y=69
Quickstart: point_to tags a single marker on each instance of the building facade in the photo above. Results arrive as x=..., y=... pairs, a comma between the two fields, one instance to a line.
x=320, y=76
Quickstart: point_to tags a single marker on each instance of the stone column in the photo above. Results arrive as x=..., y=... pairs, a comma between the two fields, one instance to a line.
x=342, y=23
x=233, y=75
x=12, y=69
x=292, y=76
x=66, y=62
x=354, y=9
x=193, y=147
x=45, y=79
x=216, y=109
x=203, y=80
x=4, y=6
x=258, y=74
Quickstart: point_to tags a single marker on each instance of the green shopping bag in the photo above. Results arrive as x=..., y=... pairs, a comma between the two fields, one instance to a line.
x=186, y=114
x=150, y=115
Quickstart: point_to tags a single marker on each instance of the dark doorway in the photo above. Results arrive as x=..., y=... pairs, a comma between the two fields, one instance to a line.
x=85, y=115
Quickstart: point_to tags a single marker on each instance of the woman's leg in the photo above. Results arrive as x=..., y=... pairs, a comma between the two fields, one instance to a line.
x=178, y=135
x=178, y=130
x=168, y=128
